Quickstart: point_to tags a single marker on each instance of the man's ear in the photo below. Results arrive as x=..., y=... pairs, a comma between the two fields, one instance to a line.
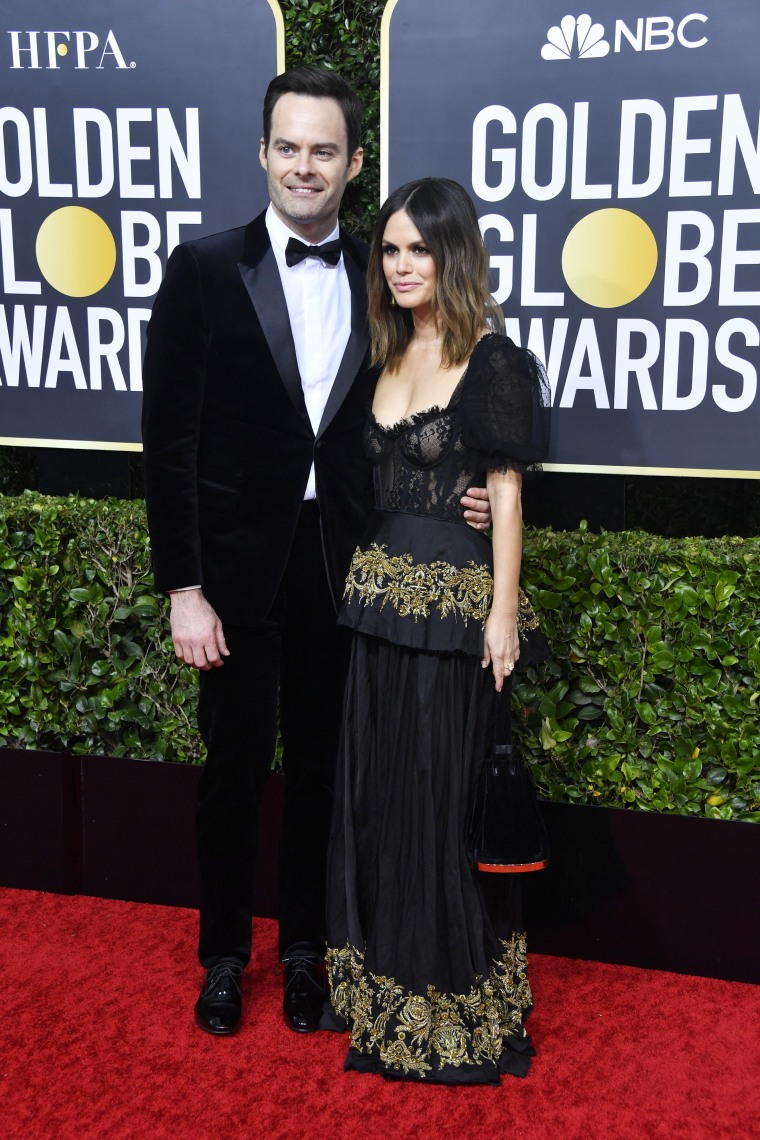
x=355, y=163
x=263, y=153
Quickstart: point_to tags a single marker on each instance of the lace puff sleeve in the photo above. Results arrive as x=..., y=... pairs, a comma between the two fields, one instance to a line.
x=505, y=406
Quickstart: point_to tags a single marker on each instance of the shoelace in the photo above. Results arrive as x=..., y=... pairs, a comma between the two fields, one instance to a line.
x=222, y=970
x=302, y=969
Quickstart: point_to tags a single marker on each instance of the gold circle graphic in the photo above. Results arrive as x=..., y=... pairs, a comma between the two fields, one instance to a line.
x=62, y=49
x=609, y=258
x=76, y=251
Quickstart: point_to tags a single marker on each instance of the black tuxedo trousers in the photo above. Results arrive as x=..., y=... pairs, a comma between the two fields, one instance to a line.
x=299, y=655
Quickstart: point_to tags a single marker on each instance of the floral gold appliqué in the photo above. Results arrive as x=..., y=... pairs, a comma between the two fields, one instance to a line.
x=419, y=589
x=422, y=1033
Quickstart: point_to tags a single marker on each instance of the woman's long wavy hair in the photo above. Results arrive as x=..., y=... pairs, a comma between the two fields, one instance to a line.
x=443, y=212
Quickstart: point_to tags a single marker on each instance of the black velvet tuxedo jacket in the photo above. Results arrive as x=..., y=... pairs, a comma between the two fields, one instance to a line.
x=228, y=444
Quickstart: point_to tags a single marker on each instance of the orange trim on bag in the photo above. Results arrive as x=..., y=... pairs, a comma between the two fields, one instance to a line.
x=514, y=868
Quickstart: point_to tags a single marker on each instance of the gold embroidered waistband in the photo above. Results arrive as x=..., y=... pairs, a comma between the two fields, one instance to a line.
x=415, y=589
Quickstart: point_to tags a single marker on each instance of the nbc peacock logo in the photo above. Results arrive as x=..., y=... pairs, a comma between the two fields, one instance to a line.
x=575, y=37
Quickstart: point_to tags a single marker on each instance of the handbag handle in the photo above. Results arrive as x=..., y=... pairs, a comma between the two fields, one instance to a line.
x=502, y=738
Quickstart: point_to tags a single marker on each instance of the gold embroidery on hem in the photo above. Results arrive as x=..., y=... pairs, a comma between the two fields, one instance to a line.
x=414, y=589
x=421, y=1034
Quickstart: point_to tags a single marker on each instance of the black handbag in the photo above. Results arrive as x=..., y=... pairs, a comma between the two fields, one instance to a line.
x=507, y=831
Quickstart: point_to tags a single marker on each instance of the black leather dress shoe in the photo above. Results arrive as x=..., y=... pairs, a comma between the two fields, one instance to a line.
x=305, y=991
x=218, y=1008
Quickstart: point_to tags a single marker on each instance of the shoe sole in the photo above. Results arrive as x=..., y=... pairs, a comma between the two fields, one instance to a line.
x=299, y=1028
x=215, y=1032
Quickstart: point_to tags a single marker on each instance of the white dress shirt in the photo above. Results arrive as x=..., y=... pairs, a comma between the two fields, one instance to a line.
x=318, y=297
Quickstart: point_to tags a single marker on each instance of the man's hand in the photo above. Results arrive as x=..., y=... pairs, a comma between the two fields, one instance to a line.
x=477, y=508
x=196, y=630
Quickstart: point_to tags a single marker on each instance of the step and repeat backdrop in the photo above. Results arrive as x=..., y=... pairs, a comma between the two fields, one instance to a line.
x=613, y=153
x=123, y=130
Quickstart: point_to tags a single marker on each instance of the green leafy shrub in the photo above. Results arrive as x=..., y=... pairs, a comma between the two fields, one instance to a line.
x=650, y=700
x=344, y=35
x=85, y=663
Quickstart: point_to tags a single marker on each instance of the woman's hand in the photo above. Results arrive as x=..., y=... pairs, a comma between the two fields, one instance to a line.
x=501, y=646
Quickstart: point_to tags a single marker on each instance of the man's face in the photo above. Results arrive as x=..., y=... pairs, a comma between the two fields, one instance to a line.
x=307, y=163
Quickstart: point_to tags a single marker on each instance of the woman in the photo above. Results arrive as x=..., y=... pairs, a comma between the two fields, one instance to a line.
x=430, y=981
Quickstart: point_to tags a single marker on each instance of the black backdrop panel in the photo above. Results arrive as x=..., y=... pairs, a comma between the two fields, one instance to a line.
x=614, y=159
x=123, y=130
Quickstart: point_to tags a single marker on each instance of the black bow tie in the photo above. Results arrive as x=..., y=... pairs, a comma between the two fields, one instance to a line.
x=296, y=251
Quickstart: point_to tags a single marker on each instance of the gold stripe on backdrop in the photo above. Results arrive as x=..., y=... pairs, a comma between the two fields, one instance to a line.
x=385, y=28
x=687, y=472
x=80, y=444
x=279, y=24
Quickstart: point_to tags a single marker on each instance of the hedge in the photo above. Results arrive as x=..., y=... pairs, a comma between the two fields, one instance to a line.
x=650, y=699
x=344, y=35
x=86, y=666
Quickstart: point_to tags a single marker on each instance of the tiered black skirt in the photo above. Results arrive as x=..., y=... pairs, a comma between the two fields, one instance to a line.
x=426, y=957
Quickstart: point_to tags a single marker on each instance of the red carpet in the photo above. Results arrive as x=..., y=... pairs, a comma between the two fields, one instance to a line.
x=97, y=1040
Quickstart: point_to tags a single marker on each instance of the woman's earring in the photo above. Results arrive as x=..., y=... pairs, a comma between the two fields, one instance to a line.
x=393, y=301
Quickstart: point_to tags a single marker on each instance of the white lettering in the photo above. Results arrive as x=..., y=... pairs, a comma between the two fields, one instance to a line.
x=503, y=264
x=682, y=145
x=672, y=401
x=503, y=156
x=136, y=318
x=528, y=292
x=658, y=28
x=556, y=117
x=20, y=347
x=632, y=111
x=24, y=139
x=16, y=50
x=46, y=188
x=112, y=48
x=83, y=118
x=586, y=346
x=640, y=366
x=735, y=133
x=177, y=218
x=636, y=40
x=128, y=153
x=749, y=330
x=132, y=252
x=63, y=338
x=681, y=31
x=580, y=188
x=52, y=44
x=84, y=46
x=99, y=350
x=696, y=256
x=187, y=158
x=7, y=247
x=731, y=257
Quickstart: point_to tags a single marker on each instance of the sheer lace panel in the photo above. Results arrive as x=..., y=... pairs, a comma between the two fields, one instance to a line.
x=422, y=465
x=496, y=418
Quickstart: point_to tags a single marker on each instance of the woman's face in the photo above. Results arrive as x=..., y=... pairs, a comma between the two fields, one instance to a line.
x=408, y=265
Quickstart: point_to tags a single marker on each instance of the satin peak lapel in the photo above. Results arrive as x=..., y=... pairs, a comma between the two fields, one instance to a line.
x=264, y=287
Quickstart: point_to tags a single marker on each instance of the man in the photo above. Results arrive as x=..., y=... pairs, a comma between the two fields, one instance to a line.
x=257, y=487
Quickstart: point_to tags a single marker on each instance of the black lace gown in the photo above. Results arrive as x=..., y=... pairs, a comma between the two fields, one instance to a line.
x=426, y=957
